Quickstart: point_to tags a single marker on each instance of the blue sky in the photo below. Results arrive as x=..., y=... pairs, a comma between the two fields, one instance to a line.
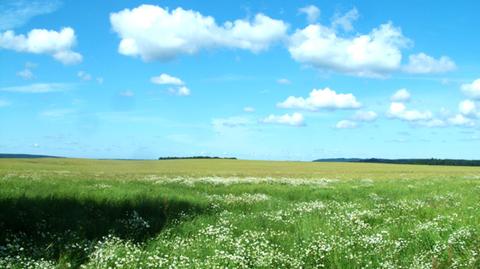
x=257, y=80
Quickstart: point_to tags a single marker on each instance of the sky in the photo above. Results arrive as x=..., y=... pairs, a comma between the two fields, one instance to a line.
x=276, y=80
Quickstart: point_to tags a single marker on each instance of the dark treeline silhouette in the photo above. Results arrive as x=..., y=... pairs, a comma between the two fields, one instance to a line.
x=196, y=157
x=432, y=161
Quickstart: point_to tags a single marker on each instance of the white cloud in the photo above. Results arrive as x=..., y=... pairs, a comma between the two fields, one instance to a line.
x=4, y=103
x=283, y=81
x=401, y=95
x=399, y=110
x=100, y=80
x=180, y=91
x=321, y=99
x=312, y=12
x=38, y=88
x=15, y=13
x=472, y=89
x=295, y=119
x=346, y=124
x=165, y=79
x=41, y=41
x=154, y=33
x=460, y=120
x=249, y=109
x=183, y=91
x=345, y=21
x=365, y=116
x=468, y=108
x=374, y=54
x=68, y=57
x=424, y=64
x=26, y=74
x=84, y=75
x=465, y=118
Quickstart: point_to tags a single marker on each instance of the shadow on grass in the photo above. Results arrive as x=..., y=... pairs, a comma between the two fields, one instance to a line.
x=91, y=219
x=51, y=224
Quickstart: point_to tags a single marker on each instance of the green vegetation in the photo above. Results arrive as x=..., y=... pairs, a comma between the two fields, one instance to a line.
x=69, y=213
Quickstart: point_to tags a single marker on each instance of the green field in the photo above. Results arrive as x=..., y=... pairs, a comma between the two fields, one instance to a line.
x=74, y=213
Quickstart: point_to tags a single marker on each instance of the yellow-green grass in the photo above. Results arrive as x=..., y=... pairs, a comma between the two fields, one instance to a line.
x=232, y=168
x=60, y=213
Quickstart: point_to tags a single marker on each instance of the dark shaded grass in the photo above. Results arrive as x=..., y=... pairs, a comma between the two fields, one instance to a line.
x=89, y=218
x=52, y=223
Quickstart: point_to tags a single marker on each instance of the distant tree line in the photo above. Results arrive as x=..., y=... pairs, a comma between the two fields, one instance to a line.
x=432, y=161
x=196, y=157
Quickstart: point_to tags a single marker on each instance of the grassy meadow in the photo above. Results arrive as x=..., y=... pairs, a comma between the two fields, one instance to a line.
x=76, y=213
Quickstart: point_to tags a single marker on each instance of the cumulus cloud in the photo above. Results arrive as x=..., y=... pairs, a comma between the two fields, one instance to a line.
x=365, y=116
x=346, y=124
x=468, y=108
x=472, y=89
x=154, y=33
x=465, y=118
x=249, y=109
x=38, y=88
x=461, y=120
x=401, y=95
x=399, y=110
x=166, y=79
x=424, y=64
x=179, y=86
x=321, y=99
x=295, y=119
x=374, y=54
x=346, y=20
x=41, y=41
x=312, y=12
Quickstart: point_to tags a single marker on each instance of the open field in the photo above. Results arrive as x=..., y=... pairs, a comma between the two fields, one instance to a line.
x=71, y=213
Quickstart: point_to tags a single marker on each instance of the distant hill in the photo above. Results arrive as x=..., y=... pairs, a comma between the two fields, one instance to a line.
x=454, y=162
x=25, y=156
x=196, y=157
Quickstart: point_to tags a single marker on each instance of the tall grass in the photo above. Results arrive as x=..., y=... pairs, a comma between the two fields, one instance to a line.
x=66, y=213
